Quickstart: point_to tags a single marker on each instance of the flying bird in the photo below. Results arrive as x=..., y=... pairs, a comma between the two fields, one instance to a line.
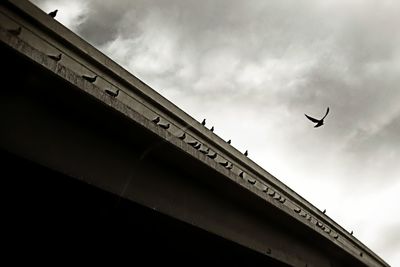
x=16, y=31
x=203, y=122
x=112, y=93
x=318, y=122
x=56, y=58
x=89, y=79
x=53, y=13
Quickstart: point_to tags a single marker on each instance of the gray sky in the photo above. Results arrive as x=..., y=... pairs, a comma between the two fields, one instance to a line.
x=253, y=68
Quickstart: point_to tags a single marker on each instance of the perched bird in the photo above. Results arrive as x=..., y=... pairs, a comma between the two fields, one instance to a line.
x=112, y=93
x=251, y=181
x=351, y=232
x=212, y=156
x=197, y=146
x=265, y=189
x=336, y=236
x=318, y=122
x=89, y=79
x=204, y=151
x=225, y=164
x=193, y=143
x=156, y=120
x=246, y=153
x=56, y=58
x=16, y=31
x=53, y=13
x=164, y=126
x=229, y=141
x=182, y=137
x=324, y=211
x=212, y=129
x=203, y=122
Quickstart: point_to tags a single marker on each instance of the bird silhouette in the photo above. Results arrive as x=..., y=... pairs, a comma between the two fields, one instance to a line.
x=112, y=93
x=324, y=211
x=165, y=126
x=212, y=129
x=246, y=153
x=265, y=189
x=203, y=122
x=56, y=58
x=89, y=79
x=318, y=122
x=204, y=151
x=156, y=120
x=193, y=143
x=351, y=232
x=229, y=141
x=251, y=180
x=53, y=13
x=16, y=31
x=336, y=236
x=213, y=156
x=225, y=164
x=182, y=137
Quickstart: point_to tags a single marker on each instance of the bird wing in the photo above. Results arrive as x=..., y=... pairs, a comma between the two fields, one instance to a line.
x=327, y=111
x=312, y=119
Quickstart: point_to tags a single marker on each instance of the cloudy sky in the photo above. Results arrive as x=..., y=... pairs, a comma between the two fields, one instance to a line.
x=253, y=68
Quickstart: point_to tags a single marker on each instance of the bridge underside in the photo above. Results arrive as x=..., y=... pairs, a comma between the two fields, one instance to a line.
x=74, y=169
x=52, y=212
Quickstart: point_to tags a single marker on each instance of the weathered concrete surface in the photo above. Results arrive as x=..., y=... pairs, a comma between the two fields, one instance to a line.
x=72, y=126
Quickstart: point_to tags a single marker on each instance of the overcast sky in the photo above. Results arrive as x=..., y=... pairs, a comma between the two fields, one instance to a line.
x=253, y=68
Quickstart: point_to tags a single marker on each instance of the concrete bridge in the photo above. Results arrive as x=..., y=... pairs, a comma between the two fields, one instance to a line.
x=133, y=175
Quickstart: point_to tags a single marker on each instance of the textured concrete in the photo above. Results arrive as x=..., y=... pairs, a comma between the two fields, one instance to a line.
x=81, y=131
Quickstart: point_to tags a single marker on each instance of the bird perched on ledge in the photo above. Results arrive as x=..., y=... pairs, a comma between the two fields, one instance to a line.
x=53, y=13
x=203, y=122
x=56, y=58
x=89, y=79
x=318, y=122
x=112, y=93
